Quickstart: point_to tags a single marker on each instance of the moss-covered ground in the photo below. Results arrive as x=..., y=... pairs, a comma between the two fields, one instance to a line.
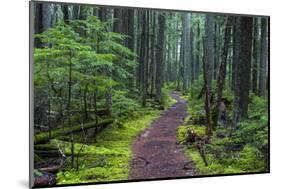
x=244, y=150
x=109, y=158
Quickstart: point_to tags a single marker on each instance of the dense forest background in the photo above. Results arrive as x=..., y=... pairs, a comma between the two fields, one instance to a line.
x=103, y=74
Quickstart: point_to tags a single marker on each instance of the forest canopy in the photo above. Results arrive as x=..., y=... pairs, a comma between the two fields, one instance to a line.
x=103, y=76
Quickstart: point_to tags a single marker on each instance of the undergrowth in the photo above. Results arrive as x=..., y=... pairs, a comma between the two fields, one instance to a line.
x=108, y=159
x=244, y=150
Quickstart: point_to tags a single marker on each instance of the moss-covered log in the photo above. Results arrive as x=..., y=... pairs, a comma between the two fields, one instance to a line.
x=44, y=137
x=45, y=147
x=48, y=153
x=51, y=169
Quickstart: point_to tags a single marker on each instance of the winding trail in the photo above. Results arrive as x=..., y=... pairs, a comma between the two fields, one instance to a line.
x=156, y=153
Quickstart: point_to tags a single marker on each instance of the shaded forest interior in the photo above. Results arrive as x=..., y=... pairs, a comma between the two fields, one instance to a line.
x=103, y=74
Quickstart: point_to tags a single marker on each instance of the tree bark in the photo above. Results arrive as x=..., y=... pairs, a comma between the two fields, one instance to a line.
x=186, y=51
x=160, y=65
x=207, y=105
x=242, y=84
x=263, y=58
x=209, y=42
x=222, y=69
x=255, y=57
x=197, y=64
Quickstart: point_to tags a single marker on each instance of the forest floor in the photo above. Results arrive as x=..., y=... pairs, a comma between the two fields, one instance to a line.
x=156, y=153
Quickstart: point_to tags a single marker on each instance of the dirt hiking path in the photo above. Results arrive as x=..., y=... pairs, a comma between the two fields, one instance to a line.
x=155, y=152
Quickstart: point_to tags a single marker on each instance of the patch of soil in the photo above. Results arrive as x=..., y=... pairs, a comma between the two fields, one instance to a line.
x=156, y=153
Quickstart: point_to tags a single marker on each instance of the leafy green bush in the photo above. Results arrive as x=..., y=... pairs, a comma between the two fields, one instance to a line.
x=167, y=100
x=122, y=105
x=181, y=134
x=229, y=151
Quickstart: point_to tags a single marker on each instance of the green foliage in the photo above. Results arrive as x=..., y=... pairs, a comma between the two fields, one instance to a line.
x=181, y=134
x=171, y=86
x=87, y=54
x=122, y=105
x=37, y=173
x=108, y=159
x=258, y=108
x=244, y=151
x=167, y=100
x=183, y=129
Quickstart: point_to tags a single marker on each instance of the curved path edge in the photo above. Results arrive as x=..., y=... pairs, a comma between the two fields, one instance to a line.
x=156, y=153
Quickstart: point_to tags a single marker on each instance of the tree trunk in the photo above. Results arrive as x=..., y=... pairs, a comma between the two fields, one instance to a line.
x=207, y=106
x=43, y=20
x=209, y=42
x=152, y=55
x=65, y=13
x=242, y=85
x=144, y=55
x=263, y=58
x=76, y=12
x=117, y=25
x=160, y=65
x=192, y=62
x=69, y=105
x=197, y=64
x=43, y=137
x=255, y=57
x=234, y=52
x=186, y=54
x=222, y=69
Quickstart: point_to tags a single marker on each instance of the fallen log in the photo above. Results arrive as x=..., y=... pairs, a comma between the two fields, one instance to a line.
x=100, y=112
x=44, y=137
x=52, y=169
x=48, y=153
x=45, y=147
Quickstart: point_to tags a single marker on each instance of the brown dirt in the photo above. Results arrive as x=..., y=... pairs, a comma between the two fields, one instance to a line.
x=155, y=152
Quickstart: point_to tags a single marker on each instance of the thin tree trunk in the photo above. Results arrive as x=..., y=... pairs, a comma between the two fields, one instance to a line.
x=197, y=64
x=255, y=57
x=160, y=65
x=153, y=63
x=207, y=106
x=263, y=58
x=234, y=53
x=222, y=69
x=209, y=42
x=69, y=106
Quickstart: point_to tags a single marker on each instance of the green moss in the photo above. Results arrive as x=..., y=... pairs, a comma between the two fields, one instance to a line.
x=245, y=151
x=167, y=100
x=108, y=159
x=199, y=130
x=185, y=97
x=181, y=134
x=214, y=167
x=37, y=158
x=45, y=147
